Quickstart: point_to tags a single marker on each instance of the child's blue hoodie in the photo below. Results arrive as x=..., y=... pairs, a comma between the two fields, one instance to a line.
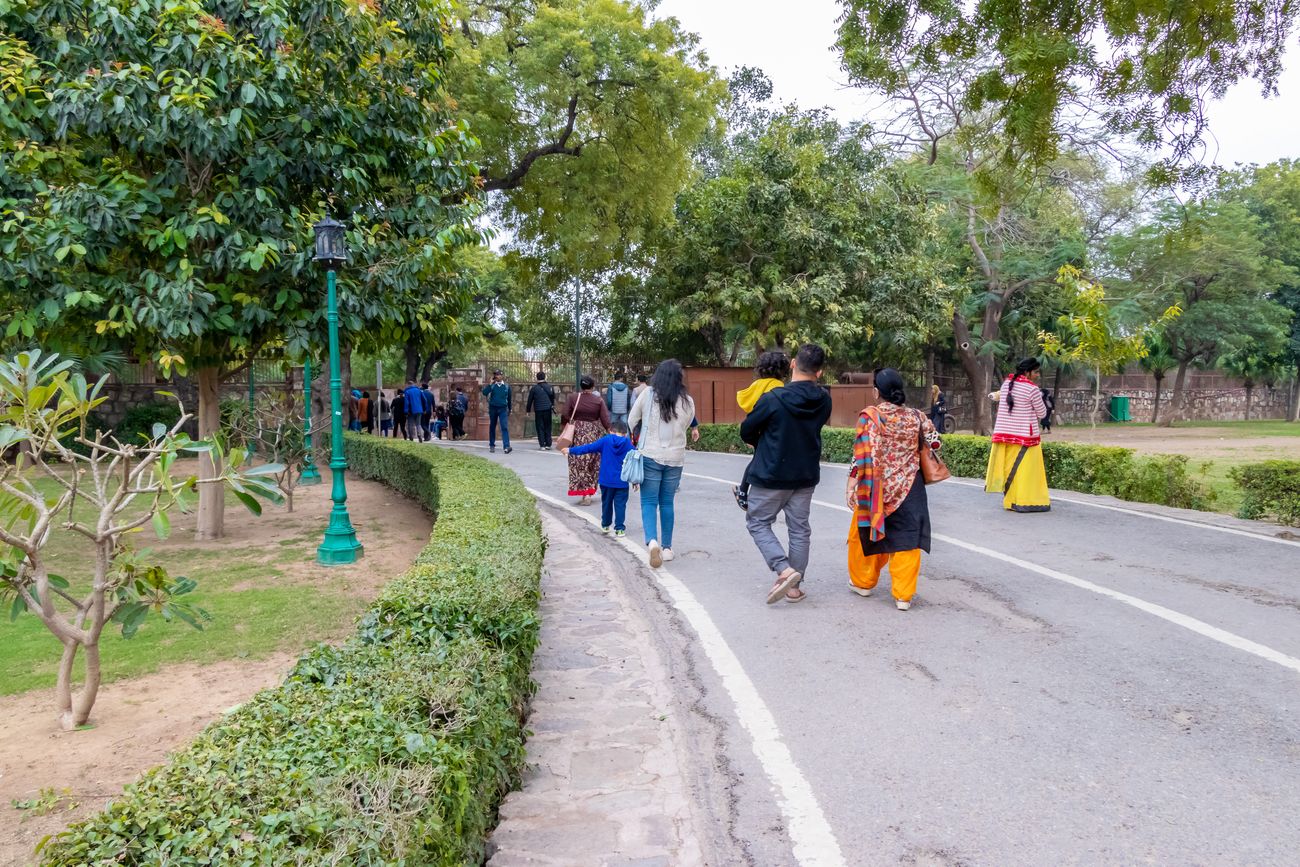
x=612, y=448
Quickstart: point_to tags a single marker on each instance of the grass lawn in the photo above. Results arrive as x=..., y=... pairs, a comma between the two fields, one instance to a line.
x=263, y=589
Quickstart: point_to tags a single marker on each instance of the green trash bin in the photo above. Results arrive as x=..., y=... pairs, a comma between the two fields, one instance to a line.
x=1120, y=408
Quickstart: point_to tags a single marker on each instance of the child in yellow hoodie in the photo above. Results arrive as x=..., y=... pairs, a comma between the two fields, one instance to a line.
x=770, y=373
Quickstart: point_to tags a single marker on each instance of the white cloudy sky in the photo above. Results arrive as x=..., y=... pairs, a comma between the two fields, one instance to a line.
x=792, y=44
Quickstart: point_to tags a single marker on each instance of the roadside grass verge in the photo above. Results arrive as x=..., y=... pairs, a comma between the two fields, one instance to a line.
x=395, y=748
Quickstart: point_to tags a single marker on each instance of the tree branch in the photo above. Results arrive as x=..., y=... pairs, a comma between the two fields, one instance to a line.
x=515, y=178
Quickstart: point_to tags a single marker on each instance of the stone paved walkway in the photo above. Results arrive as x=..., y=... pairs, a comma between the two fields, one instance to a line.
x=604, y=784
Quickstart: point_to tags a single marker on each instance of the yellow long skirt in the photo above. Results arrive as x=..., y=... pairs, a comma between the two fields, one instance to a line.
x=1018, y=474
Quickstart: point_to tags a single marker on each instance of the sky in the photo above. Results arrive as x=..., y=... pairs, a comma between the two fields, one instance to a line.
x=792, y=43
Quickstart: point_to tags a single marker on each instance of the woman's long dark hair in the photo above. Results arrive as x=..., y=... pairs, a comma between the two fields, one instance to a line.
x=1023, y=369
x=669, y=387
x=889, y=383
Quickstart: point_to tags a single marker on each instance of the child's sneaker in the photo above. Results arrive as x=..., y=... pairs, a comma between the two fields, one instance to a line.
x=620, y=533
x=742, y=497
x=605, y=530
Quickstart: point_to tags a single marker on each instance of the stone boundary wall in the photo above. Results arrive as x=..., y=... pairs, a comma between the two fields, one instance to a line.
x=1074, y=405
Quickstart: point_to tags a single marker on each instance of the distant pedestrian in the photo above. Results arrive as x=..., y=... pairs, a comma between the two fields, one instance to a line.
x=499, y=397
x=426, y=418
x=457, y=407
x=439, y=421
x=541, y=403
x=385, y=415
x=891, y=514
x=415, y=410
x=399, y=414
x=938, y=409
x=642, y=383
x=366, y=407
x=590, y=419
x=354, y=410
x=1016, y=469
x=770, y=373
x=1049, y=401
x=665, y=413
x=785, y=429
x=618, y=397
x=612, y=448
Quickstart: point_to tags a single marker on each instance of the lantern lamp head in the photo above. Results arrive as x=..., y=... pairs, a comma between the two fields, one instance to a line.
x=331, y=246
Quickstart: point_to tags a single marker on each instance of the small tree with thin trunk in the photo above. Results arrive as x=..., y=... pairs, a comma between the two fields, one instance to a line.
x=58, y=477
x=1158, y=362
x=276, y=429
x=1092, y=332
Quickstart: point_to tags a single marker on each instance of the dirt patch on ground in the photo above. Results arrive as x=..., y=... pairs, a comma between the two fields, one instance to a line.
x=140, y=720
x=1212, y=444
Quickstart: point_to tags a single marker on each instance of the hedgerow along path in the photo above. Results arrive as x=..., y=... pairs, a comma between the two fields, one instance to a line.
x=395, y=747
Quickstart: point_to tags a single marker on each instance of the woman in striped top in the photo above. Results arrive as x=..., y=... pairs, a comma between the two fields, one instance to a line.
x=1016, y=469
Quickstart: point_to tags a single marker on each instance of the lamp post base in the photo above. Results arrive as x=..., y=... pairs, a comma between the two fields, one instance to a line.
x=310, y=476
x=339, y=550
x=340, y=545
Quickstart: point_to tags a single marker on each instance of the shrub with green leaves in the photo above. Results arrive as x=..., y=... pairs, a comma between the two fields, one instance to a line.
x=395, y=748
x=1272, y=490
x=138, y=422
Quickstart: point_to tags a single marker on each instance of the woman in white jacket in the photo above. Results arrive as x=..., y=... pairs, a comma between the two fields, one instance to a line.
x=665, y=412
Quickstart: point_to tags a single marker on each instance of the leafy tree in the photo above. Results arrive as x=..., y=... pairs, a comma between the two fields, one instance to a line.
x=1094, y=333
x=1253, y=367
x=803, y=233
x=170, y=158
x=1272, y=194
x=1209, y=259
x=1158, y=362
x=1142, y=69
x=588, y=111
x=104, y=491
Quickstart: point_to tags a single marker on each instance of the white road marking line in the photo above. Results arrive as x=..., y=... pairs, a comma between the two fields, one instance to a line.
x=811, y=836
x=1200, y=627
x=1187, y=522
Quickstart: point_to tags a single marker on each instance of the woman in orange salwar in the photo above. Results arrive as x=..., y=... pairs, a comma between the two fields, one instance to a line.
x=891, y=517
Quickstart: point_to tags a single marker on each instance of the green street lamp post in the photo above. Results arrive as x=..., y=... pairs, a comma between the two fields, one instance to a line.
x=340, y=545
x=310, y=475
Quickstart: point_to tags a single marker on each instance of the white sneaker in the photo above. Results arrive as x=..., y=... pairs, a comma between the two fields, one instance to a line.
x=605, y=530
x=860, y=591
x=668, y=554
x=656, y=554
x=901, y=605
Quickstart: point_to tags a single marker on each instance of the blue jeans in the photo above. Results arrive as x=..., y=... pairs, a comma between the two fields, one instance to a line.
x=657, y=492
x=613, y=507
x=499, y=414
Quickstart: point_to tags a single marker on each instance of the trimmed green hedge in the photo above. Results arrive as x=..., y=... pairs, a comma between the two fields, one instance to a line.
x=395, y=748
x=1116, y=472
x=1272, y=491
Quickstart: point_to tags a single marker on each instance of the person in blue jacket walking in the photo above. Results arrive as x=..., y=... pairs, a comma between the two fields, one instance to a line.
x=613, y=447
x=499, y=397
x=413, y=403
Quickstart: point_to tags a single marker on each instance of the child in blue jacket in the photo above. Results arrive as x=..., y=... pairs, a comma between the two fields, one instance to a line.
x=613, y=447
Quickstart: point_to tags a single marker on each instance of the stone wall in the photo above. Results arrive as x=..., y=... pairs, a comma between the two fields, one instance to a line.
x=120, y=397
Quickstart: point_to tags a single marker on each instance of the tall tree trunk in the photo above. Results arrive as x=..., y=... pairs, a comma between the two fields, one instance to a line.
x=978, y=374
x=212, y=498
x=1096, y=399
x=1180, y=381
x=63, y=685
x=1295, y=401
x=411, y=355
x=1155, y=412
x=426, y=370
x=929, y=376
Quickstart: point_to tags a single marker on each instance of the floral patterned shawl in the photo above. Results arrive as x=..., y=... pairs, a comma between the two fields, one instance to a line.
x=885, y=462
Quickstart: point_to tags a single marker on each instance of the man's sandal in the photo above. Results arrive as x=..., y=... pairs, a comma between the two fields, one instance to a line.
x=798, y=597
x=788, y=580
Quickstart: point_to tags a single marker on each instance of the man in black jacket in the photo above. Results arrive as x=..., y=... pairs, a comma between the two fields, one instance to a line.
x=541, y=402
x=785, y=429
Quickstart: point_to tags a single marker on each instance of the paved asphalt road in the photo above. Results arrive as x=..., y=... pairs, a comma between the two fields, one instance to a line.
x=1125, y=691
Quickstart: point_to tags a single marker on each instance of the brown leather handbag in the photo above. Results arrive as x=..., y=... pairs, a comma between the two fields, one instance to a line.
x=565, y=439
x=933, y=469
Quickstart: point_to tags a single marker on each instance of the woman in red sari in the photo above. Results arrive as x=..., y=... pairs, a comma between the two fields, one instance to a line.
x=590, y=417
